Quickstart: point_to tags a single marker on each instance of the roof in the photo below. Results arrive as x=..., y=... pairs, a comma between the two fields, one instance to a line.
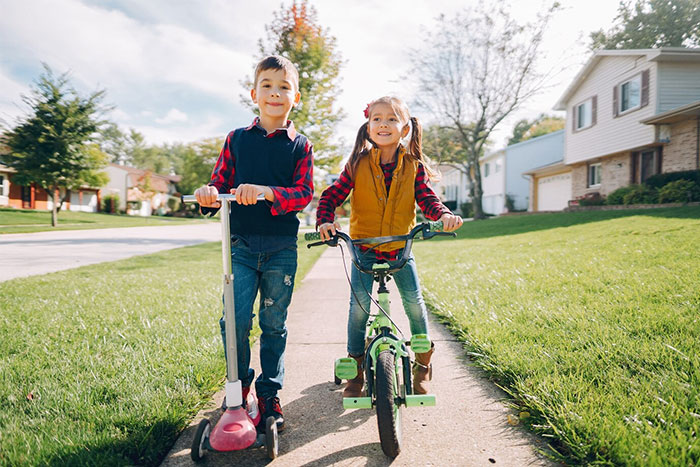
x=6, y=169
x=651, y=55
x=159, y=182
x=549, y=169
x=675, y=115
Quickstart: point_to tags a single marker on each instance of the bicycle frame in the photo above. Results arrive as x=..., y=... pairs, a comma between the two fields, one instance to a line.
x=381, y=331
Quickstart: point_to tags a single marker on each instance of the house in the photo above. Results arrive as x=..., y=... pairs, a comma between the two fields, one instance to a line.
x=503, y=173
x=631, y=114
x=145, y=191
x=86, y=199
x=452, y=187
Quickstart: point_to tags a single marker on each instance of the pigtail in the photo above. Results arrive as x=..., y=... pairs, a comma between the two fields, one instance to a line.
x=415, y=150
x=361, y=149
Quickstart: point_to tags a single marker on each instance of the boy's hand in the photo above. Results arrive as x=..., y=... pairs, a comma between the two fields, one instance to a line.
x=247, y=193
x=328, y=229
x=206, y=196
x=450, y=222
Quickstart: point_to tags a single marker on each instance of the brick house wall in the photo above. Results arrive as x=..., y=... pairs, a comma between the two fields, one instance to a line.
x=681, y=153
x=615, y=173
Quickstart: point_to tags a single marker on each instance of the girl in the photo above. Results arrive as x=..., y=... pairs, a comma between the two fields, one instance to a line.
x=388, y=178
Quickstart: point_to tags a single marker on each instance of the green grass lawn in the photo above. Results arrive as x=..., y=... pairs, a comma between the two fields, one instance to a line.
x=24, y=221
x=591, y=321
x=106, y=364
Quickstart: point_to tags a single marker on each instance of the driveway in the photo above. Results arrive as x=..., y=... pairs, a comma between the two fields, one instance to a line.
x=27, y=254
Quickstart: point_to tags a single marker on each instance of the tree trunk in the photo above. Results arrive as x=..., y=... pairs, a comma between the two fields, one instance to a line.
x=54, y=209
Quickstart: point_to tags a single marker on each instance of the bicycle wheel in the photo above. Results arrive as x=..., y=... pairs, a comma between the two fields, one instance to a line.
x=388, y=411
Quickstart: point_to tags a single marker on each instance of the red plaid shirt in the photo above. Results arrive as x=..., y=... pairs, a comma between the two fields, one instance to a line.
x=287, y=199
x=334, y=195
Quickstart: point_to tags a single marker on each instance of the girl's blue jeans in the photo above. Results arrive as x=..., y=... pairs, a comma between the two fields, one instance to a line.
x=273, y=275
x=409, y=288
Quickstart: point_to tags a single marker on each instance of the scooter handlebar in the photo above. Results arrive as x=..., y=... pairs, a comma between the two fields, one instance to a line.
x=219, y=197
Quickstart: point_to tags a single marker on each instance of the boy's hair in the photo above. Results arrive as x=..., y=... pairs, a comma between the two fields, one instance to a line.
x=277, y=62
x=363, y=143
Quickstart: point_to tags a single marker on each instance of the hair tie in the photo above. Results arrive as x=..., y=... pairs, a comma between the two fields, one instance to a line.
x=367, y=110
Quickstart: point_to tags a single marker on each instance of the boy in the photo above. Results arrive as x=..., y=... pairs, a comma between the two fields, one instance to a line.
x=268, y=157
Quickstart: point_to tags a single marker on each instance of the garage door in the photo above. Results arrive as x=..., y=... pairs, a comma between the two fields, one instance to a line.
x=553, y=192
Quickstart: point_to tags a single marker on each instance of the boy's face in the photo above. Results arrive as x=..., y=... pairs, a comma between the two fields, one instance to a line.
x=275, y=94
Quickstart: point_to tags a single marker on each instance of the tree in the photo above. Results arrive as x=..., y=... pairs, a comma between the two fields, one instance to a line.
x=51, y=146
x=295, y=34
x=542, y=125
x=194, y=163
x=652, y=24
x=479, y=67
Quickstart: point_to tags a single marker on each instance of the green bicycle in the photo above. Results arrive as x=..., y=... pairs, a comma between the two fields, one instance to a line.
x=388, y=361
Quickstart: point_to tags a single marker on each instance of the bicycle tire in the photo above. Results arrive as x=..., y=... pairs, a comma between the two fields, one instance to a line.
x=388, y=411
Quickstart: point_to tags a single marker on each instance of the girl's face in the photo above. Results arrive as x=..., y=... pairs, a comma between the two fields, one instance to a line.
x=385, y=127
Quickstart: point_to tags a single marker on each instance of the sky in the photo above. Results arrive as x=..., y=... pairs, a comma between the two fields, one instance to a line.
x=172, y=68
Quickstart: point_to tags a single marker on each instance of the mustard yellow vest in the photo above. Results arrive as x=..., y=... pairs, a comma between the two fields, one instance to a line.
x=372, y=213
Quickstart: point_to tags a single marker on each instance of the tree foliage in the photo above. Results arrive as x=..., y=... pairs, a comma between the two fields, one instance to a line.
x=527, y=129
x=52, y=146
x=295, y=33
x=651, y=24
x=479, y=67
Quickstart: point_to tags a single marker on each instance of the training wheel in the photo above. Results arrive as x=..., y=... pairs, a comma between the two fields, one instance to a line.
x=271, y=438
x=200, y=437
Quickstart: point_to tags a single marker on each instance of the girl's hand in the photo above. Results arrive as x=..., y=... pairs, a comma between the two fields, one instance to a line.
x=206, y=196
x=450, y=222
x=247, y=193
x=328, y=229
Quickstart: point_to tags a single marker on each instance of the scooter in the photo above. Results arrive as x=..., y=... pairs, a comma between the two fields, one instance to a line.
x=235, y=430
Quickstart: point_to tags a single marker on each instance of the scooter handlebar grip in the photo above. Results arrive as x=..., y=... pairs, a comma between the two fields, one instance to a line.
x=311, y=236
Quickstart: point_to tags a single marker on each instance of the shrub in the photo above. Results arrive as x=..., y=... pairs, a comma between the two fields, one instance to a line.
x=641, y=194
x=451, y=205
x=591, y=199
x=679, y=191
x=173, y=204
x=467, y=209
x=660, y=180
x=617, y=196
x=110, y=204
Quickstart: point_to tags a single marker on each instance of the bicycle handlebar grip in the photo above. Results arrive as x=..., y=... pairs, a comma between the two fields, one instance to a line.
x=311, y=236
x=435, y=226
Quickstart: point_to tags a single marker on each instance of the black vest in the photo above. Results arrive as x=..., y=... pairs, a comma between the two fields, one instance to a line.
x=264, y=161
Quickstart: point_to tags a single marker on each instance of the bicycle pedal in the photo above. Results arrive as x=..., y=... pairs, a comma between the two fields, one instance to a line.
x=345, y=368
x=419, y=400
x=420, y=343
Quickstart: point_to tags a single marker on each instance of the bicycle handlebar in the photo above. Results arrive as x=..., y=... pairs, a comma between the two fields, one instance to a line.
x=428, y=229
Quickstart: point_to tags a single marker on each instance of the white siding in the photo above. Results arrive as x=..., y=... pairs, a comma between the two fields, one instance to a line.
x=610, y=135
x=494, y=186
x=679, y=84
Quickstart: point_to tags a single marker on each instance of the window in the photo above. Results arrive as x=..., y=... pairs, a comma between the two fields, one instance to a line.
x=497, y=167
x=486, y=169
x=631, y=94
x=2, y=186
x=584, y=114
x=594, y=175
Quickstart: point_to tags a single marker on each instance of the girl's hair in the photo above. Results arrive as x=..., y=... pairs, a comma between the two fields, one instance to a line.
x=363, y=143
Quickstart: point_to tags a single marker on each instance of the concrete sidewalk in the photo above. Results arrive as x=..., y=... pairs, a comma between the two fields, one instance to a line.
x=468, y=427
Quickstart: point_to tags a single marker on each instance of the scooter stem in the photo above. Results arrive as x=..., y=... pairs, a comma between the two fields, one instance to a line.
x=233, y=385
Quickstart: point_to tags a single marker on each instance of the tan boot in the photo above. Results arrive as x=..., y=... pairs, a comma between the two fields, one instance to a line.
x=355, y=386
x=422, y=371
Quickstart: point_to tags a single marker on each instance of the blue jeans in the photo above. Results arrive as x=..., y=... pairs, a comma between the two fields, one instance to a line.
x=409, y=287
x=273, y=275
